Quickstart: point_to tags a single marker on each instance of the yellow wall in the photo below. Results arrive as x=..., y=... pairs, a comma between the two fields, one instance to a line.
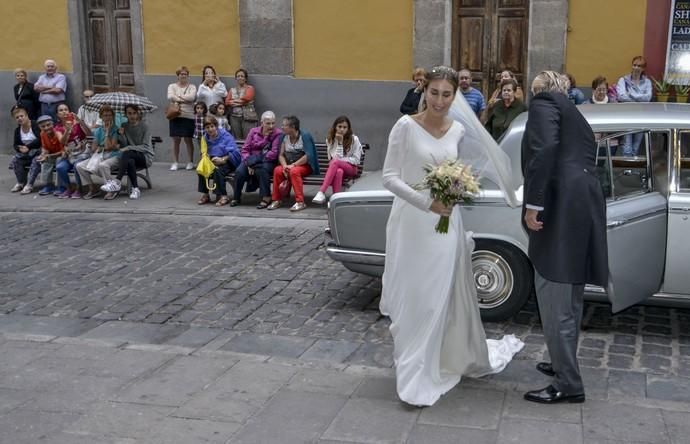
x=603, y=37
x=191, y=33
x=353, y=39
x=32, y=31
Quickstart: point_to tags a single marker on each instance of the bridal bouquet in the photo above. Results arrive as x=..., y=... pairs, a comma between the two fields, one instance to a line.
x=449, y=182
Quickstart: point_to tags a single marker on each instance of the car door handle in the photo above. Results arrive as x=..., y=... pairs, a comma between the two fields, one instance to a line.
x=680, y=209
x=616, y=223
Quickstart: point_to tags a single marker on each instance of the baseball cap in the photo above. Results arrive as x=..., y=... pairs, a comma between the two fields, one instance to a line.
x=44, y=118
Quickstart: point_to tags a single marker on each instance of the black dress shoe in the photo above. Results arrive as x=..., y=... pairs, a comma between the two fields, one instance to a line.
x=546, y=368
x=550, y=395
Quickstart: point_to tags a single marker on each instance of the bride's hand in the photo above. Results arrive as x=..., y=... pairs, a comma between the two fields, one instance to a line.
x=439, y=208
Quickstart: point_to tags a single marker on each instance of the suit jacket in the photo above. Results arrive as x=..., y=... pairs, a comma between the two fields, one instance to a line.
x=558, y=162
x=27, y=98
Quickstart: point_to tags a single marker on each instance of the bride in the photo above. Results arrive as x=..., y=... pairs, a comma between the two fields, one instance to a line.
x=428, y=288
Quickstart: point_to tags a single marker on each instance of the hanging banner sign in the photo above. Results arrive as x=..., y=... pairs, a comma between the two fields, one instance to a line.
x=678, y=50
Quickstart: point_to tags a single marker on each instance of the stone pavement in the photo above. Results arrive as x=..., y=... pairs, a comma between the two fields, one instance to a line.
x=174, y=192
x=155, y=323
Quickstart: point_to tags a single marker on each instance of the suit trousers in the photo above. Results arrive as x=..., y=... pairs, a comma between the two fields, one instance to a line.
x=560, y=307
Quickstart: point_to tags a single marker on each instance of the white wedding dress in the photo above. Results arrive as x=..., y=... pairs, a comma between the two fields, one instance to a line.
x=428, y=287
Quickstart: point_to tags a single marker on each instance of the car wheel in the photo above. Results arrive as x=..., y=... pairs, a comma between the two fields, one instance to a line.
x=504, y=279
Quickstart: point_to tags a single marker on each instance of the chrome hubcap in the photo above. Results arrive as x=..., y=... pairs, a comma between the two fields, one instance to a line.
x=493, y=278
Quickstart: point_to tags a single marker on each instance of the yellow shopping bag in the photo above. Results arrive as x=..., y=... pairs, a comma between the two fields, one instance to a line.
x=205, y=167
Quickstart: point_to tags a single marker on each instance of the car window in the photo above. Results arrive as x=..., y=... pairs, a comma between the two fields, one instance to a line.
x=684, y=181
x=659, y=150
x=623, y=163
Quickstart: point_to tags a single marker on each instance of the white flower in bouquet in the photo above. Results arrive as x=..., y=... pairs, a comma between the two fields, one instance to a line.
x=450, y=182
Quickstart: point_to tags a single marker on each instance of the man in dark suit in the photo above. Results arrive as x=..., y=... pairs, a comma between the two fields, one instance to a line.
x=564, y=212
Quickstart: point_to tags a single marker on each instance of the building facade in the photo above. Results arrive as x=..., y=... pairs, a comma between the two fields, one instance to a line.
x=319, y=59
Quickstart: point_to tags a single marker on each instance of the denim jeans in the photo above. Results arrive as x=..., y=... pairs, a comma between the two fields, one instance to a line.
x=631, y=144
x=63, y=167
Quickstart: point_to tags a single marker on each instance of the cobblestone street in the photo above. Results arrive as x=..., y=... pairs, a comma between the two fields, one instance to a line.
x=265, y=277
x=104, y=317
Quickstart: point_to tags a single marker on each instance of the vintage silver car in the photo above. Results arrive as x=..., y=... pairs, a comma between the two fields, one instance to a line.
x=648, y=205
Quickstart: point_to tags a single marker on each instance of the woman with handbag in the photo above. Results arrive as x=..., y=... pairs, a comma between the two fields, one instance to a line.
x=259, y=156
x=180, y=113
x=297, y=159
x=240, y=99
x=106, y=154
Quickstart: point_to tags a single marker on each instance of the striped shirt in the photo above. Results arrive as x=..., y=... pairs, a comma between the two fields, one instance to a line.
x=475, y=100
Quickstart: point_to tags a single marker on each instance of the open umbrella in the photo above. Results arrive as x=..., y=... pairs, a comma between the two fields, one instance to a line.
x=118, y=100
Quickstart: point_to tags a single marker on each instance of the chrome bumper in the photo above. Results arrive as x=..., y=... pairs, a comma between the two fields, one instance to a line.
x=347, y=255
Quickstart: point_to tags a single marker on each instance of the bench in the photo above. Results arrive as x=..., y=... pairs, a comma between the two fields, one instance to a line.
x=322, y=157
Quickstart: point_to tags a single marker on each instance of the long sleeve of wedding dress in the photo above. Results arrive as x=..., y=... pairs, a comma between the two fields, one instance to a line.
x=398, y=142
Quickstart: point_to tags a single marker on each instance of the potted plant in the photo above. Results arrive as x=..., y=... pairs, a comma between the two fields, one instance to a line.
x=682, y=93
x=662, y=88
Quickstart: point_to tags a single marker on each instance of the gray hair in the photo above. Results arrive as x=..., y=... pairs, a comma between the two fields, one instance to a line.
x=268, y=115
x=550, y=81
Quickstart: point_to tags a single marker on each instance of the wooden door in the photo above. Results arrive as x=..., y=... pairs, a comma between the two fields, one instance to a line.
x=490, y=36
x=109, y=33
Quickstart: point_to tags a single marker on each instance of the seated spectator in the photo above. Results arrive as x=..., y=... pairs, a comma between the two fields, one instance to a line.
x=497, y=95
x=90, y=118
x=259, y=156
x=505, y=111
x=223, y=152
x=413, y=102
x=344, y=154
x=600, y=88
x=51, y=149
x=218, y=111
x=25, y=95
x=634, y=87
x=105, y=154
x=473, y=96
x=297, y=158
x=575, y=94
x=134, y=139
x=27, y=145
x=74, y=132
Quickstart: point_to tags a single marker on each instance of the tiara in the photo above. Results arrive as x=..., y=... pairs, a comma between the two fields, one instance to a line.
x=443, y=70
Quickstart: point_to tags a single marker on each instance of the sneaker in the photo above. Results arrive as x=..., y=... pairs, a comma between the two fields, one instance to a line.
x=135, y=193
x=190, y=166
x=64, y=195
x=75, y=195
x=46, y=190
x=319, y=198
x=58, y=191
x=111, y=186
x=174, y=166
x=298, y=206
x=16, y=188
x=275, y=204
x=28, y=189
